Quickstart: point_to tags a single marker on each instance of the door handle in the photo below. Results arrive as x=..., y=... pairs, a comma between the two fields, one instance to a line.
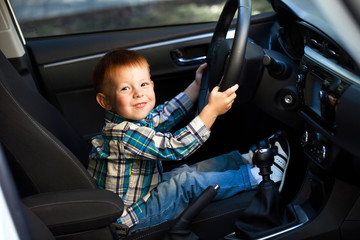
x=189, y=61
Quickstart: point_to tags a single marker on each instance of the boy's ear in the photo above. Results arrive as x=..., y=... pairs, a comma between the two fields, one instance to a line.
x=103, y=102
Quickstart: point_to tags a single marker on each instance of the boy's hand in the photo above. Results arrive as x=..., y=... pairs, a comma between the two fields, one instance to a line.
x=199, y=73
x=219, y=103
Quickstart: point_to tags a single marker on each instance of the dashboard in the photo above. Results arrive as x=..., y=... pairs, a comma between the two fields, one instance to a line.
x=327, y=84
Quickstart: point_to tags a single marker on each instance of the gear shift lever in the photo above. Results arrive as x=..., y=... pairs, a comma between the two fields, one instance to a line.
x=267, y=211
x=264, y=158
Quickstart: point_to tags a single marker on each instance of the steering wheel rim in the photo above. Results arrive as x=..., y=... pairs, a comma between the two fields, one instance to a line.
x=225, y=57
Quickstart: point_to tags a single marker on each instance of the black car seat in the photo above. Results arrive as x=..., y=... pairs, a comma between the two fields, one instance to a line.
x=48, y=160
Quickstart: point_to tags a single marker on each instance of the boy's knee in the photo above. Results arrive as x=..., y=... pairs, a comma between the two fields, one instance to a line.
x=185, y=178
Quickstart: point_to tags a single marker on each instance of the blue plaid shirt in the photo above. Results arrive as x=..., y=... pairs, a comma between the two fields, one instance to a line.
x=126, y=157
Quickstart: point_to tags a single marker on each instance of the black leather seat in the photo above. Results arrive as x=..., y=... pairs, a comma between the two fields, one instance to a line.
x=48, y=160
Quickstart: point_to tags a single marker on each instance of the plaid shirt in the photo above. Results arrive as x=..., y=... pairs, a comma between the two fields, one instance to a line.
x=126, y=157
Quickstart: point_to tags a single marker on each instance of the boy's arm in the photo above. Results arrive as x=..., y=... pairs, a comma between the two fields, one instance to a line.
x=192, y=91
x=144, y=143
x=219, y=102
x=170, y=113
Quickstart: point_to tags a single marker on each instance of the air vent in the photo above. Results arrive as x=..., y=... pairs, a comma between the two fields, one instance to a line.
x=331, y=51
x=325, y=46
x=315, y=41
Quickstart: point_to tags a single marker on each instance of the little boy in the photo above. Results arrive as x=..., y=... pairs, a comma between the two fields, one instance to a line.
x=127, y=157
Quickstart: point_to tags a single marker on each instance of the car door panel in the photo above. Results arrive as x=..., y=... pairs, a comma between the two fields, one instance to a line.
x=64, y=64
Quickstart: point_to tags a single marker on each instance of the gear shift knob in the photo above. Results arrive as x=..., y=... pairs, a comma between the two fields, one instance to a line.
x=264, y=158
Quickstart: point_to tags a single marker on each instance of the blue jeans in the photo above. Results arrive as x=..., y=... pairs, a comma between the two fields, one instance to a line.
x=185, y=183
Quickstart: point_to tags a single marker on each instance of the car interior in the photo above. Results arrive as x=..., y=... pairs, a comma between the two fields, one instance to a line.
x=294, y=76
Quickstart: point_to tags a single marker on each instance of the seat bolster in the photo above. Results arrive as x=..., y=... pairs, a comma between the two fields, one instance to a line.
x=75, y=211
x=52, y=156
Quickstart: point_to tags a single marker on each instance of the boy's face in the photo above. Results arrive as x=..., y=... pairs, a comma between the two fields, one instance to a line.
x=130, y=93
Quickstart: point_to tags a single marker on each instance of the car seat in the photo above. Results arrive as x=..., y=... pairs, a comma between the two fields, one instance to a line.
x=47, y=160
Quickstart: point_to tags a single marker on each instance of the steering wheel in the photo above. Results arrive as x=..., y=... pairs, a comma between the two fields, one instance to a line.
x=225, y=57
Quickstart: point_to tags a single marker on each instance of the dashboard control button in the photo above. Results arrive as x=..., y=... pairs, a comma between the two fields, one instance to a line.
x=304, y=139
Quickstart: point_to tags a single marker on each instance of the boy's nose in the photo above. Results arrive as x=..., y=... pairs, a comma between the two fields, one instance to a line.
x=138, y=93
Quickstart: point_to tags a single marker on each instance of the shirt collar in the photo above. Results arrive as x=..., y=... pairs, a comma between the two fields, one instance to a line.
x=115, y=118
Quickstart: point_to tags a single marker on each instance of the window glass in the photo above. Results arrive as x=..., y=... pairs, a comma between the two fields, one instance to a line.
x=38, y=18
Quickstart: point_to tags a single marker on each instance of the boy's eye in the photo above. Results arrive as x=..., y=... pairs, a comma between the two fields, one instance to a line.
x=144, y=84
x=125, y=88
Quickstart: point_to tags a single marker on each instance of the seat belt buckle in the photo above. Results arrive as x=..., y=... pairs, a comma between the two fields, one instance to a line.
x=122, y=230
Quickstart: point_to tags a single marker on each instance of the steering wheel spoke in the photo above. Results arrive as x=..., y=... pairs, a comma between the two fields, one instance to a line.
x=218, y=55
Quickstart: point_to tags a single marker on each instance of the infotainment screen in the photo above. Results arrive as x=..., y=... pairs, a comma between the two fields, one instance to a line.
x=321, y=84
x=311, y=92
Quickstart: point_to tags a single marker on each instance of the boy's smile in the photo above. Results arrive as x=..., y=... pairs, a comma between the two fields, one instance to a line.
x=140, y=105
x=131, y=93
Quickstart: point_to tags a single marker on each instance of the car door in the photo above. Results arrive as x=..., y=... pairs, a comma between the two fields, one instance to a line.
x=65, y=39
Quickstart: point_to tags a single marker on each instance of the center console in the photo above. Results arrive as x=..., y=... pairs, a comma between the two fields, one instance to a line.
x=322, y=85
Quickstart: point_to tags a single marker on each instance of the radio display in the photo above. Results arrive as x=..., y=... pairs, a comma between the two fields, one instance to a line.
x=321, y=84
x=312, y=90
x=321, y=94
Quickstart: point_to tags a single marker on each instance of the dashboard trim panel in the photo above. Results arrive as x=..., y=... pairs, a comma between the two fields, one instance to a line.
x=330, y=66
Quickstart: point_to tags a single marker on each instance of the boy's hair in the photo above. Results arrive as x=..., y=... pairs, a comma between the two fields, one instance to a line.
x=115, y=59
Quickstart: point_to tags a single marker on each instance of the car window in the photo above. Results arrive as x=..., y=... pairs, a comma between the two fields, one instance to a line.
x=39, y=18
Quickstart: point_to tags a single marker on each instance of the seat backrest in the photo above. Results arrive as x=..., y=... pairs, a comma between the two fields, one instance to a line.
x=50, y=152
